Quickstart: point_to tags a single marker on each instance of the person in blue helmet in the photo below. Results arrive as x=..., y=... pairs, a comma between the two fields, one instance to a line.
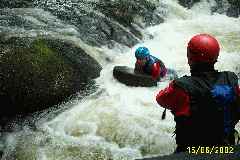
x=148, y=64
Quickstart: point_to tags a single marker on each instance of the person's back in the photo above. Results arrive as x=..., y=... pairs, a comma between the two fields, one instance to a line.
x=212, y=96
x=204, y=104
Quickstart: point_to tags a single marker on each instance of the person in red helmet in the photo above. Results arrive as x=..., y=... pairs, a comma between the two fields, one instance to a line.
x=205, y=105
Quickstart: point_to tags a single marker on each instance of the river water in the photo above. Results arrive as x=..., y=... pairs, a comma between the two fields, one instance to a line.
x=120, y=122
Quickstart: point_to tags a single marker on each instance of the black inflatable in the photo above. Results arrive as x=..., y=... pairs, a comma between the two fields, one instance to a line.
x=127, y=76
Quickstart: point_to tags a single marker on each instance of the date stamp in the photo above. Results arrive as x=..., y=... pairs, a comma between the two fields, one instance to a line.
x=211, y=150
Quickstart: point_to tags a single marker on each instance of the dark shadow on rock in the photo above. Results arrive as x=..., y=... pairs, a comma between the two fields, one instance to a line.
x=188, y=3
x=16, y=3
x=125, y=12
x=229, y=7
x=234, y=9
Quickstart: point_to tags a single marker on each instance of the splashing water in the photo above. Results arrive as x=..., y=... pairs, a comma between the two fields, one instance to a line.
x=120, y=122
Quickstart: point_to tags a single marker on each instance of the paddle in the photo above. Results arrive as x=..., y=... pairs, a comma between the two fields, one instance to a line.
x=164, y=114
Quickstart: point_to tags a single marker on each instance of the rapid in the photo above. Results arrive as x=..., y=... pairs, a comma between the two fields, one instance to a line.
x=119, y=122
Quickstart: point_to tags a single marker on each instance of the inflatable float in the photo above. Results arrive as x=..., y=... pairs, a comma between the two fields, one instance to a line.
x=127, y=76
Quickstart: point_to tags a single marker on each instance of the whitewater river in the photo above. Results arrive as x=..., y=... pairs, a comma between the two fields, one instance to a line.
x=120, y=122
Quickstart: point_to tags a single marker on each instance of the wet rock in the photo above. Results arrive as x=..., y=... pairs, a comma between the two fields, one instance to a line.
x=37, y=73
x=234, y=9
x=16, y=3
x=229, y=7
x=104, y=22
x=128, y=12
x=93, y=27
x=30, y=22
x=100, y=22
x=188, y=3
x=39, y=66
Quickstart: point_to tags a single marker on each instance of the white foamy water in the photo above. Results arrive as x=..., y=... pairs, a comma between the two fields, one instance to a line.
x=120, y=122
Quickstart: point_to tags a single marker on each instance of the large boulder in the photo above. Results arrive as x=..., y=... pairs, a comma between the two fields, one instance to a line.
x=36, y=73
x=40, y=64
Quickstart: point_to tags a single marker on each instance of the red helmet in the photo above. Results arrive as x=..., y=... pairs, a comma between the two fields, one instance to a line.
x=202, y=48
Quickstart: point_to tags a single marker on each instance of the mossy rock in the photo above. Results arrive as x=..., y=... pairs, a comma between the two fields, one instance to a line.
x=37, y=73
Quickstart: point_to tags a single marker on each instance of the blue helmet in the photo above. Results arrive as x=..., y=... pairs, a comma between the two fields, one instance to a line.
x=142, y=52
